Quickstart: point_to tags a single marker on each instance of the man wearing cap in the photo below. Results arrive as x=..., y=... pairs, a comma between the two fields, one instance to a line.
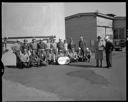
x=25, y=46
x=33, y=46
x=60, y=46
x=108, y=50
x=41, y=46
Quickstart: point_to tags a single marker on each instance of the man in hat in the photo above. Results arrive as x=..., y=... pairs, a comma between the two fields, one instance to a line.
x=41, y=46
x=33, y=46
x=108, y=49
x=99, y=47
x=25, y=45
x=60, y=45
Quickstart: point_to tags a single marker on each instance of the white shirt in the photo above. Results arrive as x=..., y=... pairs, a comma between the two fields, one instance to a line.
x=66, y=46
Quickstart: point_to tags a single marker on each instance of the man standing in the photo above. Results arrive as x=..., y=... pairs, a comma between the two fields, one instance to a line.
x=60, y=46
x=71, y=45
x=33, y=46
x=99, y=48
x=82, y=45
x=41, y=46
x=108, y=49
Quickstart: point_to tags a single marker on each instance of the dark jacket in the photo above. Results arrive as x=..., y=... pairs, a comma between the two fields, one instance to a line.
x=71, y=45
x=82, y=45
x=41, y=46
x=109, y=47
x=60, y=45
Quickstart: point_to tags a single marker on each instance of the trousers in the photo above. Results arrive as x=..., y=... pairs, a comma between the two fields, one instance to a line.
x=109, y=59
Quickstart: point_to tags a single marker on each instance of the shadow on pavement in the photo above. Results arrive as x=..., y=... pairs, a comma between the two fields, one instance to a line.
x=84, y=66
x=89, y=75
x=12, y=66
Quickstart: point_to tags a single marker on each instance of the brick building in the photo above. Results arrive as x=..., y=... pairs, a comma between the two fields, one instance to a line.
x=119, y=25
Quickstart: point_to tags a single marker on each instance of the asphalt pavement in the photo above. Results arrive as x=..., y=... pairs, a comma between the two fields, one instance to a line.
x=76, y=81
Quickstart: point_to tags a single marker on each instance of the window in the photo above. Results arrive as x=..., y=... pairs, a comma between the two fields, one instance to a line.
x=121, y=33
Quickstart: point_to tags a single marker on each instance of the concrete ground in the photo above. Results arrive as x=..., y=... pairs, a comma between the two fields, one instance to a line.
x=77, y=81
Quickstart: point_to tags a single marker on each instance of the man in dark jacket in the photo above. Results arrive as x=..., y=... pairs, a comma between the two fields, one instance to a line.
x=108, y=49
x=60, y=46
x=71, y=45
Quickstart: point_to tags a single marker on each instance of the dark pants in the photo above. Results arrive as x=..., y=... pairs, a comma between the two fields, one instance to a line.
x=109, y=59
x=18, y=61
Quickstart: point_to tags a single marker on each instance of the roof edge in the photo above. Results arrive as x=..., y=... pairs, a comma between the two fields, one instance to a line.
x=89, y=14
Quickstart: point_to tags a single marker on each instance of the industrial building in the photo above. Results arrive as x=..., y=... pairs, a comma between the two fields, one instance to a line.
x=90, y=25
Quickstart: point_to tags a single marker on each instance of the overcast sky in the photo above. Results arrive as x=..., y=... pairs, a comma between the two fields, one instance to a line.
x=117, y=8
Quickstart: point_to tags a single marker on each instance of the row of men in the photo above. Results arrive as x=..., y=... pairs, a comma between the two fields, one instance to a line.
x=41, y=53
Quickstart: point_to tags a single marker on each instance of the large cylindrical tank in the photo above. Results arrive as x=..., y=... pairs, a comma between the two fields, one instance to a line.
x=33, y=19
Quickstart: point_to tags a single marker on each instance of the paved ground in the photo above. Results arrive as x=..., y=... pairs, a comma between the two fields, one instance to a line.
x=77, y=81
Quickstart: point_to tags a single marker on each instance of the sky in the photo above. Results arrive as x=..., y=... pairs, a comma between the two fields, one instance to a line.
x=117, y=8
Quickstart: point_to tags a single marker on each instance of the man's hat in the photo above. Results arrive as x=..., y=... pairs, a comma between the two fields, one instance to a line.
x=25, y=40
x=99, y=37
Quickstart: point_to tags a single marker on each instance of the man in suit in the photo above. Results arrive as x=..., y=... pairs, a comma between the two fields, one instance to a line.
x=108, y=49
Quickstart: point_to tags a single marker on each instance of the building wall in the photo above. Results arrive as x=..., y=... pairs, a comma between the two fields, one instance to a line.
x=119, y=24
x=84, y=25
x=33, y=19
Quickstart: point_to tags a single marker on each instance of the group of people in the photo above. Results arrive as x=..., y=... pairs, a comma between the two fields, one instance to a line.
x=40, y=53
x=100, y=47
